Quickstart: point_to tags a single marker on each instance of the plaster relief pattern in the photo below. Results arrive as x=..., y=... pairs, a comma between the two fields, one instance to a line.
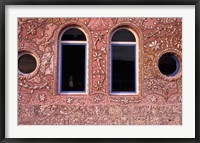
x=159, y=101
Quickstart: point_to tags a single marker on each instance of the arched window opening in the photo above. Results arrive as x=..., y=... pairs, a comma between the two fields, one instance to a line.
x=73, y=63
x=123, y=35
x=123, y=62
x=73, y=34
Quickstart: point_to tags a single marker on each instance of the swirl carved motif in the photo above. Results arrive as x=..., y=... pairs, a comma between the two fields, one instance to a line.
x=160, y=99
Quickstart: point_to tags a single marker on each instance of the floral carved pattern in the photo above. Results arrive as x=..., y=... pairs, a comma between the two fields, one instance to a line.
x=159, y=101
x=99, y=64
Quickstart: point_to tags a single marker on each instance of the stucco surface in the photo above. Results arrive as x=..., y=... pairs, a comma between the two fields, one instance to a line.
x=158, y=102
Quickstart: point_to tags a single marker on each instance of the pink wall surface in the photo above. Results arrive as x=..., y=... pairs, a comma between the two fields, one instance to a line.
x=158, y=102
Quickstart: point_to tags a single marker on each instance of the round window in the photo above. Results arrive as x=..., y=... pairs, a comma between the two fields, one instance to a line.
x=26, y=63
x=169, y=64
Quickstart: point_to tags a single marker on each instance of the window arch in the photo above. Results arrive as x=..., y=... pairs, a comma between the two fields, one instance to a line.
x=72, y=61
x=123, y=62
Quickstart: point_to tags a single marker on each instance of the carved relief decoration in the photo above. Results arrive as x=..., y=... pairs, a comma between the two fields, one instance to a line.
x=160, y=98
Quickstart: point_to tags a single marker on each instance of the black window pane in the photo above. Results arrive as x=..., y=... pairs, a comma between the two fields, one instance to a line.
x=73, y=68
x=123, y=68
x=123, y=35
x=73, y=34
x=27, y=63
x=168, y=64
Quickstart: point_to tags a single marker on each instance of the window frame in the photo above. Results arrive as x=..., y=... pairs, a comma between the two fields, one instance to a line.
x=63, y=42
x=118, y=43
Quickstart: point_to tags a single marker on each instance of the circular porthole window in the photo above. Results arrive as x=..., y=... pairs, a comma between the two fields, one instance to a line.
x=26, y=63
x=169, y=64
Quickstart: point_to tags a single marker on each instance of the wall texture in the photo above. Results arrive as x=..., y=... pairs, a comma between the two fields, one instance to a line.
x=159, y=100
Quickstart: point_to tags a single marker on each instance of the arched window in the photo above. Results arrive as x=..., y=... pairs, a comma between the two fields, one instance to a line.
x=123, y=61
x=73, y=63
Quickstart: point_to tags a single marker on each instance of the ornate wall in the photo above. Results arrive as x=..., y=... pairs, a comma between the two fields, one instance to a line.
x=159, y=101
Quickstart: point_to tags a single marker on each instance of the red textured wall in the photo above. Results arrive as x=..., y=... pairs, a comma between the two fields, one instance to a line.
x=159, y=100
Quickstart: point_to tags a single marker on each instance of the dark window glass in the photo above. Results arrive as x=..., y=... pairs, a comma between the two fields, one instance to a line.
x=73, y=68
x=123, y=68
x=73, y=34
x=123, y=35
x=169, y=64
x=26, y=63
